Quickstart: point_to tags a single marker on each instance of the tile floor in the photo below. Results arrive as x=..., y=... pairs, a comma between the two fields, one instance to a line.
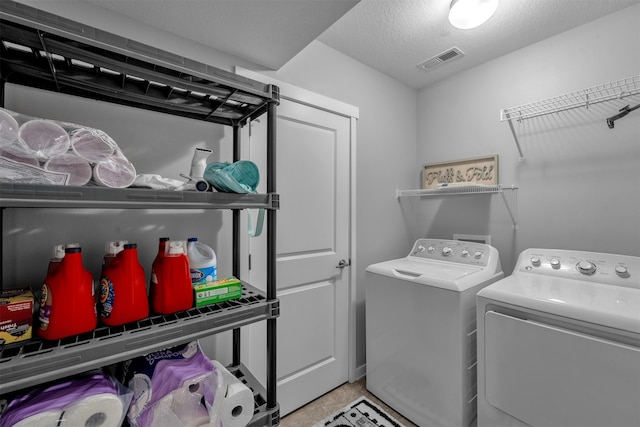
x=329, y=403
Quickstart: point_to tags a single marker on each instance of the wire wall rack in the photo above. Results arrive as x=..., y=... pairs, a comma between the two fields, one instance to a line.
x=583, y=98
x=508, y=194
x=611, y=91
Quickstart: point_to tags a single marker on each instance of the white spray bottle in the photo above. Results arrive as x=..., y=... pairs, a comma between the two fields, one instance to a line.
x=198, y=165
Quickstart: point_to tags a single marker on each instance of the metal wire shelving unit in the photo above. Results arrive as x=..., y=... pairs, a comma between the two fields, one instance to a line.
x=617, y=89
x=49, y=52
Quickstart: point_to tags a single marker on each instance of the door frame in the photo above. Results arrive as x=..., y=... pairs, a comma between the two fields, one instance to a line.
x=300, y=95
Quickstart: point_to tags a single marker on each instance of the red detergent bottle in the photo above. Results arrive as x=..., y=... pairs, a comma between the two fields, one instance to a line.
x=170, y=288
x=123, y=289
x=67, y=302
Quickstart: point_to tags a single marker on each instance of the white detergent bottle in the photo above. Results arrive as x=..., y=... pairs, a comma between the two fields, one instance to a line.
x=203, y=263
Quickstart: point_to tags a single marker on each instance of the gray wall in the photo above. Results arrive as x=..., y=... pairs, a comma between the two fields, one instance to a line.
x=579, y=186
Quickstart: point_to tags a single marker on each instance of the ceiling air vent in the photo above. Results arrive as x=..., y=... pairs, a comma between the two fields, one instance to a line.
x=436, y=61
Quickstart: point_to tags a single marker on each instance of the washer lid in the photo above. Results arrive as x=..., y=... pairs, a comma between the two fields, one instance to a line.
x=440, y=274
x=602, y=304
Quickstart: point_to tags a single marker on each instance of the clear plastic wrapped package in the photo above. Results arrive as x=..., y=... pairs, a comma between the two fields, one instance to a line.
x=93, y=398
x=85, y=154
x=178, y=386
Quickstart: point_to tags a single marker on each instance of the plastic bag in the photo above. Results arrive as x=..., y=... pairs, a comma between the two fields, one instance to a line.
x=239, y=177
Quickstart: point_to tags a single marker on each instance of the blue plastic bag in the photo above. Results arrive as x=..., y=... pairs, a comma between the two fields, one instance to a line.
x=239, y=177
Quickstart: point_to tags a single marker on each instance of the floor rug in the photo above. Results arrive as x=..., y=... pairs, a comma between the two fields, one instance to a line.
x=360, y=413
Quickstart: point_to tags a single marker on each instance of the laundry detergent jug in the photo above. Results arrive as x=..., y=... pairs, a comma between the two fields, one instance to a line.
x=170, y=286
x=123, y=289
x=67, y=301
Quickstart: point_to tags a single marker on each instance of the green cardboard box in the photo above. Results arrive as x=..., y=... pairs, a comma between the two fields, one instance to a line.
x=217, y=291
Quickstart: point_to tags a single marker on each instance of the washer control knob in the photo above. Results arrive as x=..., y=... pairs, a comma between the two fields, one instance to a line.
x=477, y=255
x=535, y=261
x=446, y=251
x=586, y=267
x=431, y=249
x=555, y=263
x=464, y=253
x=622, y=271
x=420, y=249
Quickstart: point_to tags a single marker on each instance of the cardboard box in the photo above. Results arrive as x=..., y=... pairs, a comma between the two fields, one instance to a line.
x=217, y=291
x=16, y=315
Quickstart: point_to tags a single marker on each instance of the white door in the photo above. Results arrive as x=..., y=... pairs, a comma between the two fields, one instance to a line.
x=313, y=241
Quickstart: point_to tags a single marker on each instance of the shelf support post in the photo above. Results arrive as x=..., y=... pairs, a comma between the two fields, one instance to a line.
x=236, y=358
x=272, y=377
x=506, y=204
x=515, y=137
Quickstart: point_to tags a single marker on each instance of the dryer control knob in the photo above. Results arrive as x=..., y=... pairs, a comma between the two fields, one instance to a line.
x=622, y=271
x=555, y=263
x=464, y=253
x=535, y=261
x=431, y=249
x=446, y=251
x=477, y=255
x=420, y=248
x=586, y=267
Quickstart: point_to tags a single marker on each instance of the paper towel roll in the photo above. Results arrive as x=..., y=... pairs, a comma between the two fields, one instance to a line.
x=99, y=410
x=79, y=169
x=42, y=419
x=44, y=137
x=237, y=409
x=92, y=144
x=8, y=128
x=114, y=172
x=238, y=402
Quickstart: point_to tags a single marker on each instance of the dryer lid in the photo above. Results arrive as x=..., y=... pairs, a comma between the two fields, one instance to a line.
x=601, y=304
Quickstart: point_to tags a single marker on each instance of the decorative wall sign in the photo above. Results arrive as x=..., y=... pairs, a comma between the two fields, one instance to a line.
x=479, y=170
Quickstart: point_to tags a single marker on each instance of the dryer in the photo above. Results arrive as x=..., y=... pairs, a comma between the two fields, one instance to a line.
x=421, y=329
x=559, y=342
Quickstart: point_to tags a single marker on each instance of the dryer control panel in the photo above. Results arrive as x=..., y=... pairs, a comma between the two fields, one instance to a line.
x=604, y=268
x=469, y=253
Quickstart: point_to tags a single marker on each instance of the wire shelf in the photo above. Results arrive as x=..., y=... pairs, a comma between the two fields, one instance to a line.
x=607, y=92
x=508, y=194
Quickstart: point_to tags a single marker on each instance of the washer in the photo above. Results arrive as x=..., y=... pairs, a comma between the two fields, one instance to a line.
x=559, y=342
x=421, y=329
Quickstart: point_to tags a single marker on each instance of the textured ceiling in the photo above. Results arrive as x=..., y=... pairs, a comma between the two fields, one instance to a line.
x=392, y=36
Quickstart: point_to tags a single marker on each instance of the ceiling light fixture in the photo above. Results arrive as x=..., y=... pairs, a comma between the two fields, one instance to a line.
x=466, y=14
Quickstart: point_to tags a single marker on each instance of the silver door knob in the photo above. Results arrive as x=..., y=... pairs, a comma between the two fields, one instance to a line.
x=343, y=263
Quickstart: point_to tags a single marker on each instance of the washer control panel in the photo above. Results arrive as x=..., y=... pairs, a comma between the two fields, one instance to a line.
x=453, y=251
x=605, y=268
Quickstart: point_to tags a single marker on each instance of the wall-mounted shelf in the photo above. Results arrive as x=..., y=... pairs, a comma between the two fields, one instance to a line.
x=584, y=98
x=508, y=194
